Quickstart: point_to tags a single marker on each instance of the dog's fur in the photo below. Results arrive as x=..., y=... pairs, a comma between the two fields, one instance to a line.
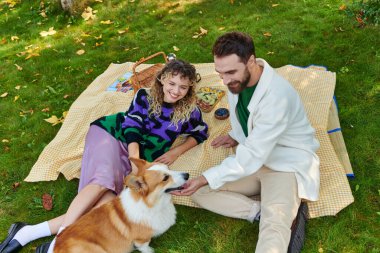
x=143, y=210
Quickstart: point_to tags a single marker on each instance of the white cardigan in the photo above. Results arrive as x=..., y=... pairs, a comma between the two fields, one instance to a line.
x=279, y=136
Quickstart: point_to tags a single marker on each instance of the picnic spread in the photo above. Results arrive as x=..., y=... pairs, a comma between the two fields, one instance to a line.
x=314, y=84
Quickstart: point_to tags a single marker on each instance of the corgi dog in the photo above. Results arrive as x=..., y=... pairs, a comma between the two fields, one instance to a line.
x=144, y=209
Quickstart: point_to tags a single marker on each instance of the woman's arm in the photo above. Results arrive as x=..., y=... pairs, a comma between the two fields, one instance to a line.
x=134, y=151
x=172, y=155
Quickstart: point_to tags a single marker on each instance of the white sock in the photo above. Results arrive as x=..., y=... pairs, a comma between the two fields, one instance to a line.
x=52, y=244
x=254, y=214
x=32, y=232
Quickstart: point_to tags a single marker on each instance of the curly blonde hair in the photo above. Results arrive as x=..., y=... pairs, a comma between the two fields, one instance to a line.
x=183, y=107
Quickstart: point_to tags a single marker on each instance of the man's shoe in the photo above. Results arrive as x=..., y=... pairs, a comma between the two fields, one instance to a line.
x=297, y=239
x=9, y=246
x=43, y=248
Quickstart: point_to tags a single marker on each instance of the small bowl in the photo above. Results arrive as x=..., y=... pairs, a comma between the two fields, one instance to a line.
x=222, y=113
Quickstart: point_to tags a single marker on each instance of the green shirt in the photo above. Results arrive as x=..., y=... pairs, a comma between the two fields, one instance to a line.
x=241, y=107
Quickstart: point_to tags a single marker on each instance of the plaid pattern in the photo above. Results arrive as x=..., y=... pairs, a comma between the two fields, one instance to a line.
x=315, y=86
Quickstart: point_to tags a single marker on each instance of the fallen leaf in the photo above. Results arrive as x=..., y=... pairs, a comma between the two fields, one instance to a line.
x=267, y=34
x=3, y=41
x=270, y=53
x=53, y=120
x=47, y=201
x=4, y=95
x=99, y=1
x=221, y=28
x=88, y=14
x=89, y=71
x=5, y=141
x=16, y=98
x=107, y=22
x=31, y=53
x=342, y=7
x=18, y=67
x=200, y=34
x=45, y=109
x=123, y=31
x=80, y=52
x=14, y=38
x=275, y=5
x=98, y=44
x=15, y=185
x=66, y=96
x=175, y=48
x=98, y=37
x=17, y=87
x=47, y=33
x=43, y=14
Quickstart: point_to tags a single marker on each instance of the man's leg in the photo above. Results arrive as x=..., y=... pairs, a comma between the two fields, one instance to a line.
x=279, y=205
x=232, y=199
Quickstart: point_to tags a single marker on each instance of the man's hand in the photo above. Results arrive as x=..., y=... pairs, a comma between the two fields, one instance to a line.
x=225, y=141
x=191, y=186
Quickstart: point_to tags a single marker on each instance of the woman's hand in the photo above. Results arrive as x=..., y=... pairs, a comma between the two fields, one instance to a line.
x=225, y=141
x=168, y=158
x=191, y=186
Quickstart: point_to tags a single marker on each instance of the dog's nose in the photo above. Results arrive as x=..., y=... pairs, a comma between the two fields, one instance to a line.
x=186, y=176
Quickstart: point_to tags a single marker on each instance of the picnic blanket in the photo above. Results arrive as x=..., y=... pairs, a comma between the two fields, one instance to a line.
x=315, y=86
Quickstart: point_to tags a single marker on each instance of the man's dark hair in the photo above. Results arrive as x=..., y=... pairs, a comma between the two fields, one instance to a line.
x=237, y=43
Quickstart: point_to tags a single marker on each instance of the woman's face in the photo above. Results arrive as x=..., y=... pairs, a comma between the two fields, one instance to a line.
x=175, y=88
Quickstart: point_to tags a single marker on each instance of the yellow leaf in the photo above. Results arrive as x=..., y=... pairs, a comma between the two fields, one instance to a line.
x=107, y=22
x=80, y=52
x=275, y=5
x=43, y=14
x=123, y=31
x=267, y=34
x=200, y=34
x=270, y=52
x=342, y=7
x=45, y=109
x=99, y=1
x=16, y=98
x=175, y=48
x=14, y=38
x=47, y=33
x=88, y=14
x=98, y=37
x=17, y=87
x=4, y=95
x=203, y=31
x=320, y=250
x=4, y=141
x=98, y=44
x=221, y=28
x=64, y=114
x=53, y=120
x=18, y=67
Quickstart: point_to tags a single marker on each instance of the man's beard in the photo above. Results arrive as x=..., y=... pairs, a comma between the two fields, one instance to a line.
x=242, y=85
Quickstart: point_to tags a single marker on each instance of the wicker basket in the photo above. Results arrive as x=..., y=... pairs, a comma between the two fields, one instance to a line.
x=145, y=77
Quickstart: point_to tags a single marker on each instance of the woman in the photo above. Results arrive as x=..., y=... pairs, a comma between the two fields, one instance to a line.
x=155, y=118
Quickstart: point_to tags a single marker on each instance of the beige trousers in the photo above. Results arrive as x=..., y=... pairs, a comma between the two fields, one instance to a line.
x=279, y=205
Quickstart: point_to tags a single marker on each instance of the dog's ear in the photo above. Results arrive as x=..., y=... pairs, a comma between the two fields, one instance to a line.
x=136, y=184
x=139, y=165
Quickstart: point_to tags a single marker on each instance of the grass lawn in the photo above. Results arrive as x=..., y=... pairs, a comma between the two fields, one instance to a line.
x=40, y=76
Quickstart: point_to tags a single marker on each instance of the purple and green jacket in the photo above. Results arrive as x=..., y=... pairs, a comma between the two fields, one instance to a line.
x=154, y=134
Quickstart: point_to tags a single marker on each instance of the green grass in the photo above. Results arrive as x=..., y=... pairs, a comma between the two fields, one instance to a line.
x=303, y=32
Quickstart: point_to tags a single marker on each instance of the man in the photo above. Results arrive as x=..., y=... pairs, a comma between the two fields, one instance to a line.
x=275, y=154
